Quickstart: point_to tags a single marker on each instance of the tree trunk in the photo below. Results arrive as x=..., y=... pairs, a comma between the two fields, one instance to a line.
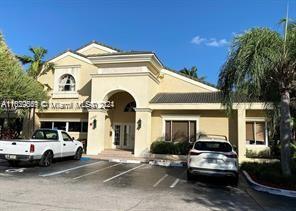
x=33, y=120
x=285, y=133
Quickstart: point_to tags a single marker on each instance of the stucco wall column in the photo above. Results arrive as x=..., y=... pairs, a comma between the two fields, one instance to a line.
x=95, y=137
x=142, y=131
x=241, y=133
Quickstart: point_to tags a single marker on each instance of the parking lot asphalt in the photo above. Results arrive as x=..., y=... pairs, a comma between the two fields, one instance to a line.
x=101, y=185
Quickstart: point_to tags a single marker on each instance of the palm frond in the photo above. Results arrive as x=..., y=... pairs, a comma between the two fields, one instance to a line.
x=25, y=59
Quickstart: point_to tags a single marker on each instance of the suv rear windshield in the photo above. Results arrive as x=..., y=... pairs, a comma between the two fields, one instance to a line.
x=45, y=134
x=213, y=146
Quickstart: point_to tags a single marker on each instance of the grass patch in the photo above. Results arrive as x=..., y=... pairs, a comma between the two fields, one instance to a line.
x=270, y=174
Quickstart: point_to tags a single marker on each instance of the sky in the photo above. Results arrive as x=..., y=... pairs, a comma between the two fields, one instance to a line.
x=183, y=33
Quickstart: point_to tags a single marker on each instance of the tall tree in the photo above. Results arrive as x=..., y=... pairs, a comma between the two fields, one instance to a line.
x=192, y=72
x=36, y=65
x=15, y=84
x=262, y=64
x=36, y=62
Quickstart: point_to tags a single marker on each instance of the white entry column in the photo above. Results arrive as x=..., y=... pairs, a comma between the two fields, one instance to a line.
x=96, y=133
x=142, y=131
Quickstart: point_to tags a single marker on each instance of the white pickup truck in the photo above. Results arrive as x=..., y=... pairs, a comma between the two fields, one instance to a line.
x=44, y=146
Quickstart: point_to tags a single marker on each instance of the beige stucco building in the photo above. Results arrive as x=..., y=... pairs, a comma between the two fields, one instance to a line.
x=151, y=103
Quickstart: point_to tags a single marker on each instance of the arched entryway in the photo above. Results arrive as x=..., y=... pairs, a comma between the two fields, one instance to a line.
x=120, y=122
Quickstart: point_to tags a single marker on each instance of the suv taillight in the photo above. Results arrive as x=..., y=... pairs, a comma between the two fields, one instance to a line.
x=32, y=148
x=232, y=155
x=194, y=153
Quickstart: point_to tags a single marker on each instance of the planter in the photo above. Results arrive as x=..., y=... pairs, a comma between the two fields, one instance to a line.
x=182, y=158
x=167, y=160
x=271, y=190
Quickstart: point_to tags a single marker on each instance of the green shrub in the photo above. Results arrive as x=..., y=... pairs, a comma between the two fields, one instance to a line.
x=165, y=147
x=162, y=147
x=181, y=148
x=258, y=154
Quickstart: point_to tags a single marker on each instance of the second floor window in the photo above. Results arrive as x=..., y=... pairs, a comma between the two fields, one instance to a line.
x=67, y=83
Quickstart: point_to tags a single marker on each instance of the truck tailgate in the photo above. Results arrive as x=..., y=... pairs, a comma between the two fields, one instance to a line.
x=15, y=147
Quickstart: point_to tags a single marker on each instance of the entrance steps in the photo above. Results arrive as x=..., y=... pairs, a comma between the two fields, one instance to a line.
x=118, y=155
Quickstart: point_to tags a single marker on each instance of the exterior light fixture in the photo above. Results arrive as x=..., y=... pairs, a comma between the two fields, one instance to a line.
x=94, y=125
x=139, y=124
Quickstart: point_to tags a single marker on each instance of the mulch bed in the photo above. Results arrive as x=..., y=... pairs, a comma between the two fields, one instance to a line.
x=270, y=184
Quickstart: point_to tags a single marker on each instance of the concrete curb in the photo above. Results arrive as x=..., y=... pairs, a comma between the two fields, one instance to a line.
x=126, y=161
x=271, y=190
x=167, y=163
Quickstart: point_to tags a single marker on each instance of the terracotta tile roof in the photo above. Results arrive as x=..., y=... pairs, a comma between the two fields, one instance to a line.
x=194, y=97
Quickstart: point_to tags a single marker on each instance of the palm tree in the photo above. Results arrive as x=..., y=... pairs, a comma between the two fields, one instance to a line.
x=262, y=64
x=192, y=72
x=37, y=63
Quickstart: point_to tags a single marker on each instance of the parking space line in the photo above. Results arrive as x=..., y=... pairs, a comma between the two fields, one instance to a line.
x=122, y=173
x=70, y=169
x=160, y=180
x=96, y=171
x=175, y=183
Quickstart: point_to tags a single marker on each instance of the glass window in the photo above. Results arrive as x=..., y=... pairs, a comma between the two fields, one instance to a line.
x=168, y=132
x=84, y=126
x=260, y=132
x=117, y=135
x=46, y=125
x=67, y=83
x=74, y=127
x=60, y=125
x=180, y=130
x=192, y=131
x=130, y=107
x=213, y=146
x=45, y=134
x=125, y=135
x=66, y=137
x=255, y=133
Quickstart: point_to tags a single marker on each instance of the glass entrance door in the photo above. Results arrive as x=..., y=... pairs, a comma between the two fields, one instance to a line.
x=124, y=135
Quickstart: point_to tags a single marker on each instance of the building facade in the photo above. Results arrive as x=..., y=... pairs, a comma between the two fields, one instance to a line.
x=151, y=103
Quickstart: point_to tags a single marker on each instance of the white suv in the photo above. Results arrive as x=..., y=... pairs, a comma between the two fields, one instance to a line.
x=212, y=155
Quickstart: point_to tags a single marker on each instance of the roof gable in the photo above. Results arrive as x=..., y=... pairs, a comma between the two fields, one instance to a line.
x=70, y=53
x=189, y=79
x=96, y=48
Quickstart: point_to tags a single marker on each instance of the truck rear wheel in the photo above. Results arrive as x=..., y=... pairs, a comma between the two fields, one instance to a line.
x=78, y=154
x=46, y=159
x=13, y=163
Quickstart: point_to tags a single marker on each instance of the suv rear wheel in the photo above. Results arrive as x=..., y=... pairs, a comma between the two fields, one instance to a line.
x=234, y=180
x=190, y=176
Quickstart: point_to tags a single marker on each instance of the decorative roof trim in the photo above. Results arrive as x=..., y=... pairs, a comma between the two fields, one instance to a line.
x=127, y=58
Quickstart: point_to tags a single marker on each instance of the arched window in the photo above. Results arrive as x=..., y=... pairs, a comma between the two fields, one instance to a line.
x=67, y=83
x=130, y=107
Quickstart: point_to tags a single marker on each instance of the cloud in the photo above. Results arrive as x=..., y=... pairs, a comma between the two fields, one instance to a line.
x=213, y=42
x=217, y=43
x=198, y=40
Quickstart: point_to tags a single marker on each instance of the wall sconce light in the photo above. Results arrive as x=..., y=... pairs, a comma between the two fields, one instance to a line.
x=139, y=124
x=94, y=125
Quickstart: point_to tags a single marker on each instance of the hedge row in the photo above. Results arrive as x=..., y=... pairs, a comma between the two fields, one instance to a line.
x=165, y=147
